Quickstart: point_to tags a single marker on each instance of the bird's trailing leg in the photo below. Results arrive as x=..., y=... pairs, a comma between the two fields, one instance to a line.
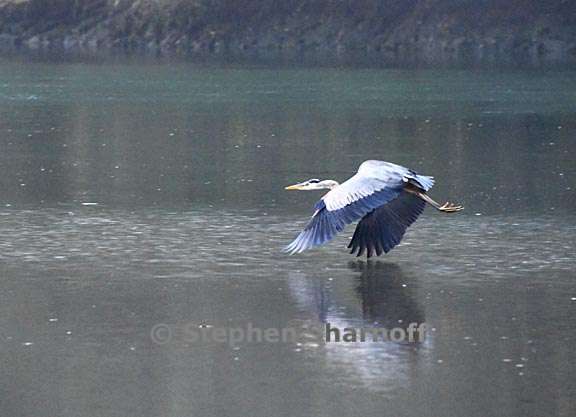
x=450, y=207
x=446, y=207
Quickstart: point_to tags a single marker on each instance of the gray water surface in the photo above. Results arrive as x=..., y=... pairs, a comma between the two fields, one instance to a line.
x=137, y=194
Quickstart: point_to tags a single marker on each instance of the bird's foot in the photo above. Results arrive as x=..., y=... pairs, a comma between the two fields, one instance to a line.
x=450, y=208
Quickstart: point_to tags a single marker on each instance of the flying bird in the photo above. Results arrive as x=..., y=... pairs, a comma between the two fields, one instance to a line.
x=385, y=197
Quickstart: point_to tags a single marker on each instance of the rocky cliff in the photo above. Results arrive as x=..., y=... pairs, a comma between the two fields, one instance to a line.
x=394, y=29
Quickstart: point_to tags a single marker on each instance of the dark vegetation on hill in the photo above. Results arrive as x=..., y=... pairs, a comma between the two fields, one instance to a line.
x=394, y=29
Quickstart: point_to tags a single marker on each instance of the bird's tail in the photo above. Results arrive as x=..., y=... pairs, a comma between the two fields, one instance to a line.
x=425, y=181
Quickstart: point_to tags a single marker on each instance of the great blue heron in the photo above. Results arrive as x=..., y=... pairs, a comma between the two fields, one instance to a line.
x=387, y=197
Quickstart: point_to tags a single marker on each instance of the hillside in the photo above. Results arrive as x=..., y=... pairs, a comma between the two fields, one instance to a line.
x=395, y=29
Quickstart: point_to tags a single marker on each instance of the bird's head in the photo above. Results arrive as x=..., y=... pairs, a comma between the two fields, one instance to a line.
x=313, y=184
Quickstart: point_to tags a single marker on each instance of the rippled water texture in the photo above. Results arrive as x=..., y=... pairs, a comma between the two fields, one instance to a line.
x=134, y=194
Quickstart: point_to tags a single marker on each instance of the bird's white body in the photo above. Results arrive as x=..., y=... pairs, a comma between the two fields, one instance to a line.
x=372, y=176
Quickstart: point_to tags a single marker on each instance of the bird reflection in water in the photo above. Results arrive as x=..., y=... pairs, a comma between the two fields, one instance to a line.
x=387, y=295
x=377, y=295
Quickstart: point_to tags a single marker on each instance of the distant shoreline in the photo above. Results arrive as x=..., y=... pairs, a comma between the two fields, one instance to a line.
x=271, y=59
x=426, y=31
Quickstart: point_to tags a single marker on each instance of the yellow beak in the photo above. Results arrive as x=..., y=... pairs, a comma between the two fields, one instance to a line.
x=294, y=187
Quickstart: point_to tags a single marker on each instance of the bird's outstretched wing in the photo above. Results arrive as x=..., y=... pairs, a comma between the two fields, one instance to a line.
x=382, y=229
x=347, y=203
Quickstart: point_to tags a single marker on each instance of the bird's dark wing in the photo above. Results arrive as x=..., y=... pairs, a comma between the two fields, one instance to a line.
x=383, y=228
x=349, y=202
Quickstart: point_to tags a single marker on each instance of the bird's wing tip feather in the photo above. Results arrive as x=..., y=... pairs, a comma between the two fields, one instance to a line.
x=290, y=249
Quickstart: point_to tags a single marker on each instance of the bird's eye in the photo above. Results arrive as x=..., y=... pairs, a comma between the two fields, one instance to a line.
x=314, y=181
